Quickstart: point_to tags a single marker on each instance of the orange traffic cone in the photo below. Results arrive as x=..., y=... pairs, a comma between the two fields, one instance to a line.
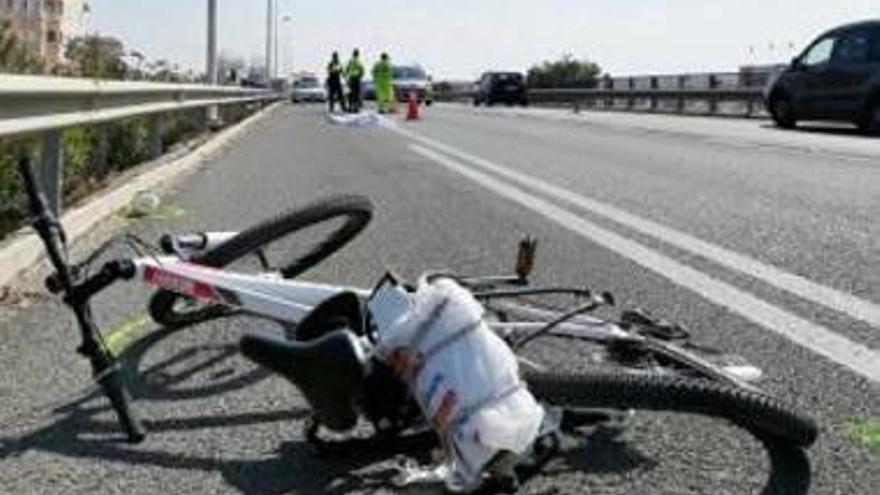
x=412, y=112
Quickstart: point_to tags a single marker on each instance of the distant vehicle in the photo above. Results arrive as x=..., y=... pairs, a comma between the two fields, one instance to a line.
x=368, y=90
x=308, y=89
x=412, y=78
x=501, y=87
x=836, y=78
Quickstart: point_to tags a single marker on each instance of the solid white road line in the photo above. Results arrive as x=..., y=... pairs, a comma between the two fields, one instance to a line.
x=834, y=299
x=820, y=340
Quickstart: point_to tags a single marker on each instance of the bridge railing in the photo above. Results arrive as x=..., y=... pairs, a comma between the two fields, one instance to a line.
x=46, y=106
x=716, y=94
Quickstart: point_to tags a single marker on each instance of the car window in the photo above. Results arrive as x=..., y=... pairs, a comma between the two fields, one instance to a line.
x=852, y=48
x=819, y=53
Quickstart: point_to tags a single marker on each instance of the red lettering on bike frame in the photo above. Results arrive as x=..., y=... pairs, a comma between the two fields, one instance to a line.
x=443, y=415
x=181, y=285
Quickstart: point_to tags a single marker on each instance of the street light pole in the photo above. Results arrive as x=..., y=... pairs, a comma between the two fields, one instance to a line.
x=275, y=64
x=270, y=22
x=212, y=113
x=211, y=68
x=279, y=67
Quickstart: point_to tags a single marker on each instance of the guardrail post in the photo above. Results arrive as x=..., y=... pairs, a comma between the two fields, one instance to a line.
x=713, y=98
x=154, y=137
x=630, y=101
x=608, y=84
x=102, y=154
x=654, y=87
x=213, y=117
x=51, y=166
x=199, y=120
x=681, y=101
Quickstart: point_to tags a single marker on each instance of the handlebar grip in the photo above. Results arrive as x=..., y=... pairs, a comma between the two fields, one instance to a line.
x=112, y=384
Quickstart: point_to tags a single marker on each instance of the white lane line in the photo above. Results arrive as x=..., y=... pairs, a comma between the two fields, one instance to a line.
x=855, y=307
x=820, y=340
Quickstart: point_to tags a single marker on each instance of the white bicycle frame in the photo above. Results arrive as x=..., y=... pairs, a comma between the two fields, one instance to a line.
x=285, y=300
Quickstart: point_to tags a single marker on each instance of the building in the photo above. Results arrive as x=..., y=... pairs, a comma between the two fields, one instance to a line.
x=46, y=25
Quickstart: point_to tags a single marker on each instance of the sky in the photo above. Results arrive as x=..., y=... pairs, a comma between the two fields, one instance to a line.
x=459, y=39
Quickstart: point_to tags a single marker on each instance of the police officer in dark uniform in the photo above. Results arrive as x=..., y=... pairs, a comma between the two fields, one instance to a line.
x=334, y=83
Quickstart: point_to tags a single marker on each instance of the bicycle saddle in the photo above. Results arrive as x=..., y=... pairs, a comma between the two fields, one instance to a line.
x=328, y=370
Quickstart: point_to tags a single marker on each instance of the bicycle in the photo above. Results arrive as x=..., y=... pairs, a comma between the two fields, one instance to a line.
x=327, y=349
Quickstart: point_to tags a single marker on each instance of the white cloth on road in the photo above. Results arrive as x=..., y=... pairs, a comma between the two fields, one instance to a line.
x=464, y=376
x=360, y=119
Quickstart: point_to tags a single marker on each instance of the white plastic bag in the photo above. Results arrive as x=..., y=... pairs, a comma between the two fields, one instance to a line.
x=465, y=378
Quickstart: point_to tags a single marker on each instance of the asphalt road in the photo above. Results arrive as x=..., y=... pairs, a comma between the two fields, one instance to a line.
x=763, y=242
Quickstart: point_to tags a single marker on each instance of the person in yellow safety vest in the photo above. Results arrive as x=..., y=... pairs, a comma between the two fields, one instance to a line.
x=383, y=78
x=354, y=72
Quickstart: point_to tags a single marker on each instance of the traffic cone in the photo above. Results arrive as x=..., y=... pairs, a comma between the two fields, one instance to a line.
x=412, y=111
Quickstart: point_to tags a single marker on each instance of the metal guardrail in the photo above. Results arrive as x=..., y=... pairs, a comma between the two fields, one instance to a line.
x=738, y=94
x=46, y=106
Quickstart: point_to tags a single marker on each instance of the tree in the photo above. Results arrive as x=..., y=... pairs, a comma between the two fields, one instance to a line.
x=16, y=57
x=566, y=72
x=100, y=57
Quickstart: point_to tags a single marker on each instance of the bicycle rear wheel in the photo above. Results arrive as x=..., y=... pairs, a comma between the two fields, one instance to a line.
x=173, y=310
x=762, y=415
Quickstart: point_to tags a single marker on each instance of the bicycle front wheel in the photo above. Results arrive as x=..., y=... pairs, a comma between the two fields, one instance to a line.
x=351, y=213
x=760, y=414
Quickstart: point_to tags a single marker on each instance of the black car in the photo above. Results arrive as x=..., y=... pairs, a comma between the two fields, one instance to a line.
x=836, y=78
x=501, y=87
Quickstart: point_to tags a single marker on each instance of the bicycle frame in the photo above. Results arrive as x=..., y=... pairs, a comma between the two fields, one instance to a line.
x=289, y=301
x=266, y=295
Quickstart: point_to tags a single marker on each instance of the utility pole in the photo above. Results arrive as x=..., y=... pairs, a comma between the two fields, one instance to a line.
x=212, y=114
x=281, y=39
x=275, y=23
x=270, y=28
x=211, y=68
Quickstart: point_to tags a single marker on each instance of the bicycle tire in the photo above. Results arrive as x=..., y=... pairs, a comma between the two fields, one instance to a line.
x=357, y=210
x=762, y=415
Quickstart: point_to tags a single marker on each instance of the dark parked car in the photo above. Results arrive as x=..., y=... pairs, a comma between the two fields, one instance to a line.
x=501, y=87
x=836, y=78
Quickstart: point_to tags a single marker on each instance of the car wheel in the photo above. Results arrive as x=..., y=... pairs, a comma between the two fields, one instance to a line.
x=782, y=112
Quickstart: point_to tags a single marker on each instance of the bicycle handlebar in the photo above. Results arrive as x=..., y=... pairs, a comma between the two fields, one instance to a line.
x=46, y=224
x=104, y=365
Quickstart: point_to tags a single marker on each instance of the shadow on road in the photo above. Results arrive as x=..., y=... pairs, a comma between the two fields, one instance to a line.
x=299, y=468
x=824, y=128
x=82, y=428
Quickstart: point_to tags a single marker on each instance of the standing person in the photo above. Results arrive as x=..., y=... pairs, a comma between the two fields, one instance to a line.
x=354, y=71
x=334, y=83
x=383, y=77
